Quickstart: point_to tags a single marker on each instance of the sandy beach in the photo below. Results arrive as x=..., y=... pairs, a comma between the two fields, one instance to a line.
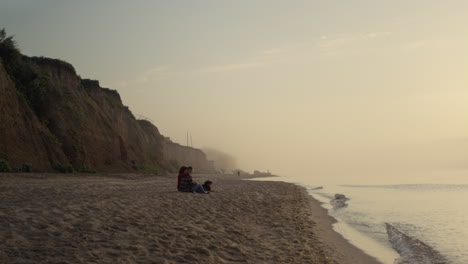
x=125, y=218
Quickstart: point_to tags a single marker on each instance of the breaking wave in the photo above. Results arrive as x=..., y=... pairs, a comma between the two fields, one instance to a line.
x=412, y=250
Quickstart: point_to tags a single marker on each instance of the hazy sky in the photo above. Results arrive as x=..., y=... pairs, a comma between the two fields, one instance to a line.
x=323, y=88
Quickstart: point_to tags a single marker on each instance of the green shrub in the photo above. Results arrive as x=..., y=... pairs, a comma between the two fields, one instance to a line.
x=175, y=164
x=29, y=80
x=154, y=170
x=64, y=168
x=134, y=166
x=26, y=167
x=143, y=168
x=4, y=166
x=87, y=170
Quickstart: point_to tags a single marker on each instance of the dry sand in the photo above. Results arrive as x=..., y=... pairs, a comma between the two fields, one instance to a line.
x=122, y=218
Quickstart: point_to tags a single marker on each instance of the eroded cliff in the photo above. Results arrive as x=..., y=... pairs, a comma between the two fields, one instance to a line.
x=50, y=116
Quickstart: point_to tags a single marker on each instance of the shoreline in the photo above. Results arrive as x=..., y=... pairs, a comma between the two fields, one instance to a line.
x=350, y=253
x=345, y=251
x=126, y=218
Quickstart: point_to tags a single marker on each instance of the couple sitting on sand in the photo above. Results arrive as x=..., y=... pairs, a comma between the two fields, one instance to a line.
x=186, y=184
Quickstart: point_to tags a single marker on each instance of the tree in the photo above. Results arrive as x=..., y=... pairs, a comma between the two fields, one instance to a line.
x=9, y=51
x=22, y=70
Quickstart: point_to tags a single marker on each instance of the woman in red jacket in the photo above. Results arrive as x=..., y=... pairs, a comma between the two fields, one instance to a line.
x=182, y=173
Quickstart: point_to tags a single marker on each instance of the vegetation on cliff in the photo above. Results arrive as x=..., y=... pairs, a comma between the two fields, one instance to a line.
x=67, y=124
x=23, y=71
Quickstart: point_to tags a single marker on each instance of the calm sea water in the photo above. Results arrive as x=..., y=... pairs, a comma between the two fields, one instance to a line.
x=427, y=223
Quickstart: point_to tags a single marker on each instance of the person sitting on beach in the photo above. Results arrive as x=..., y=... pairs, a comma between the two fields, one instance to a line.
x=185, y=182
x=182, y=172
x=196, y=187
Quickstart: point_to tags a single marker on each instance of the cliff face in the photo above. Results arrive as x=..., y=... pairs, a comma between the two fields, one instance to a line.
x=23, y=139
x=178, y=155
x=67, y=120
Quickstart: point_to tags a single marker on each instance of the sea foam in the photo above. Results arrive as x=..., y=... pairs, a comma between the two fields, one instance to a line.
x=412, y=250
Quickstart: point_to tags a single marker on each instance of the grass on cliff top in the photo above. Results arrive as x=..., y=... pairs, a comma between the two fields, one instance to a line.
x=53, y=62
x=23, y=71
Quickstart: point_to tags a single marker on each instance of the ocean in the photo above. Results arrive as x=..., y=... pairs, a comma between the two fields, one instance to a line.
x=399, y=223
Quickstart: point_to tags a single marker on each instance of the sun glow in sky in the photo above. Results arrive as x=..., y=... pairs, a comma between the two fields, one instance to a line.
x=329, y=88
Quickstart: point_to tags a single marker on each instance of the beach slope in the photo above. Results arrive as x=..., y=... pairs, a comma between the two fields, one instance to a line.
x=124, y=218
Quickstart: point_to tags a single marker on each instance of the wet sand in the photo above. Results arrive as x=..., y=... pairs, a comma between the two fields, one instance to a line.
x=124, y=218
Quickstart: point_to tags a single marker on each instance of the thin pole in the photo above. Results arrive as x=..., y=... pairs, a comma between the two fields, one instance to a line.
x=191, y=142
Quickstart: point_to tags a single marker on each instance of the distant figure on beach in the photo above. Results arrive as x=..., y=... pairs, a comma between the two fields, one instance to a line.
x=185, y=182
x=238, y=173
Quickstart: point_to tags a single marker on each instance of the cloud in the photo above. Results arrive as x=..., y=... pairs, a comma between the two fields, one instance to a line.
x=414, y=45
x=264, y=58
x=271, y=51
x=155, y=73
x=233, y=66
x=377, y=34
x=341, y=40
x=326, y=43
